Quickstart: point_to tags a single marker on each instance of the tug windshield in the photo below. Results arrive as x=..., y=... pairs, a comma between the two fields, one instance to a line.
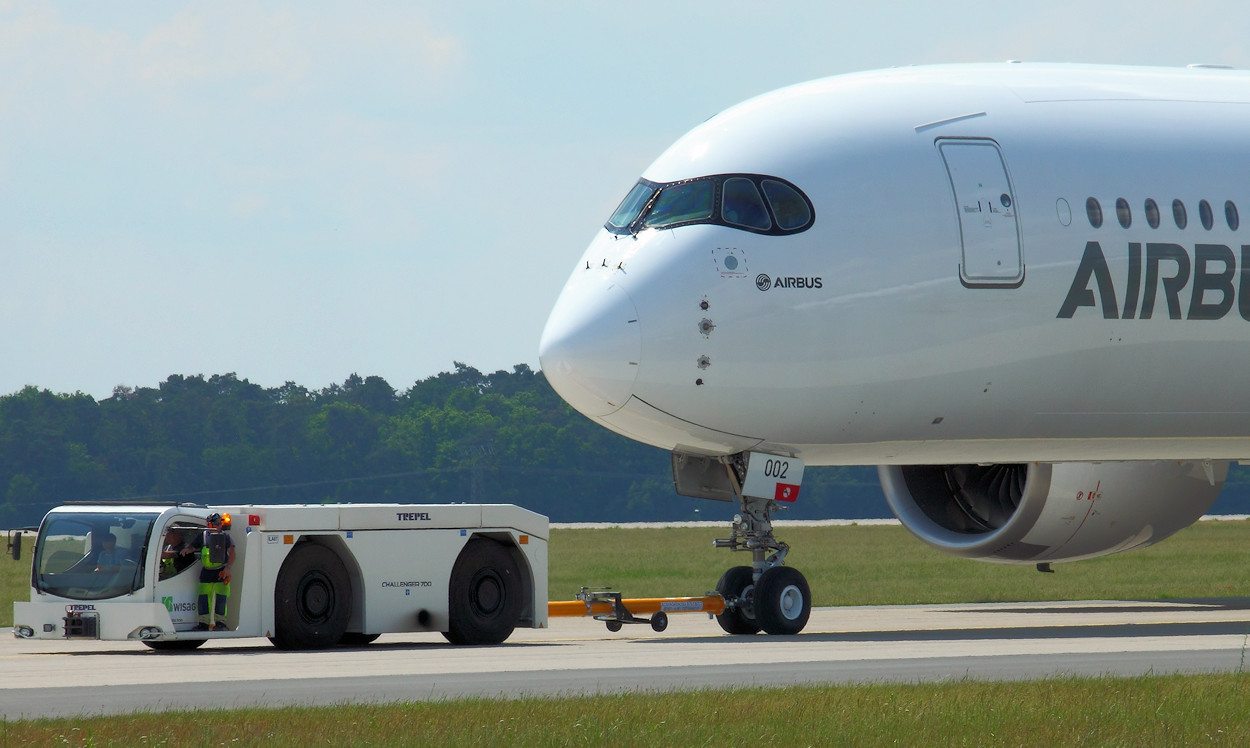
x=92, y=555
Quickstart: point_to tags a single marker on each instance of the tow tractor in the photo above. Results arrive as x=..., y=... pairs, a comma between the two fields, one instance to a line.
x=307, y=577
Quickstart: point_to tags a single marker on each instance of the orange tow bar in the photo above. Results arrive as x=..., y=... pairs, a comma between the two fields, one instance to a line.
x=608, y=606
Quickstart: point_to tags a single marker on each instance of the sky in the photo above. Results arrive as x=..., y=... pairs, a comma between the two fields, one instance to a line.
x=303, y=191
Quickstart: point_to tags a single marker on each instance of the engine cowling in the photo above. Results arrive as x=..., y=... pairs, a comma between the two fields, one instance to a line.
x=1037, y=512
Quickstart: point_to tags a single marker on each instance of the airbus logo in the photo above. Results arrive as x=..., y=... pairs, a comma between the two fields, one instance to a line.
x=1208, y=272
x=763, y=282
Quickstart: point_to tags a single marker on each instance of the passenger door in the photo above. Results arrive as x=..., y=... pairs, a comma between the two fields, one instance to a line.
x=986, y=206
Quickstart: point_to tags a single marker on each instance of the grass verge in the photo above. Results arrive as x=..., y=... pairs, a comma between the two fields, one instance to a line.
x=885, y=565
x=1152, y=710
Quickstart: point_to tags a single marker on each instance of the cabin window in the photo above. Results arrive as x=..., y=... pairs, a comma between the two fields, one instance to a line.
x=791, y=209
x=741, y=205
x=1179, y=215
x=1122, y=213
x=1094, y=211
x=1204, y=213
x=1152, y=213
x=1230, y=215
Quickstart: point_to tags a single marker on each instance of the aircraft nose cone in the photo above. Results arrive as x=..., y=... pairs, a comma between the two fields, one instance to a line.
x=591, y=346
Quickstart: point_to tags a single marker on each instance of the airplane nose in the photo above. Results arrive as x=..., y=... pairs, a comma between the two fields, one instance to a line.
x=591, y=346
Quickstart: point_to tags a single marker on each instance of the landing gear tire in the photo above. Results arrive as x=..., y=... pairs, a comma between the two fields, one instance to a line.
x=737, y=584
x=312, y=599
x=176, y=645
x=783, y=601
x=484, y=603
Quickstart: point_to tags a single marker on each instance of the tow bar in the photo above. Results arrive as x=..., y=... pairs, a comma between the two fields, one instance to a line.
x=607, y=605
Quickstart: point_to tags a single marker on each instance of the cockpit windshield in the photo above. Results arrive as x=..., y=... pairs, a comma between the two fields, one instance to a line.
x=92, y=555
x=631, y=206
x=681, y=203
x=751, y=202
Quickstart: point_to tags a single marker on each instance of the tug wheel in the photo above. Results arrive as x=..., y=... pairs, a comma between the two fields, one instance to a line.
x=484, y=600
x=174, y=645
x=312, y=599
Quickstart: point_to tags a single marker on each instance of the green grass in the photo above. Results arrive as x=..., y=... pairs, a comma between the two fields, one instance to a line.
x=885, y=565
x=1153, y=710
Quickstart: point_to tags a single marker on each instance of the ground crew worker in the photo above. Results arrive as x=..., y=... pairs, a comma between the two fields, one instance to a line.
x=175, y=547
x=217, y=556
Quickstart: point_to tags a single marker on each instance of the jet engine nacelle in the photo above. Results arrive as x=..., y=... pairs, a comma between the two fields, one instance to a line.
x=1037, y=512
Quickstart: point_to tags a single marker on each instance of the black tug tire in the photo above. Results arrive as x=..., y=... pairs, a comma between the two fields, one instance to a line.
x=783, y=601
x=484, y=596
x=175, y=645
x=312, y=599
x=357, y=639
x=737, y=583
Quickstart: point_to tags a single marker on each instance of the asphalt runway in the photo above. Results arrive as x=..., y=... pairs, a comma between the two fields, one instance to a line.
x=1013, y=641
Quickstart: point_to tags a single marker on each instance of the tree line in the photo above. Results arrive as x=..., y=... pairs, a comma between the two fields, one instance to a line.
x=458, y=436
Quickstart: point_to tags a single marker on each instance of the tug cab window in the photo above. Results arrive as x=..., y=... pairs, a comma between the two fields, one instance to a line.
x=92, y=555
x=750, y=202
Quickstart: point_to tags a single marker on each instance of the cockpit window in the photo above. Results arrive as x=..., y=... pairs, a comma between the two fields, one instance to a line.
x=741, y=205
x=681, y=203
x=631, y=206
x=750, y=202
x=788, y=205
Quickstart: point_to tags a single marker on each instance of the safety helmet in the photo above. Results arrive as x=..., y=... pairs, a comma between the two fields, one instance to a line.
x=214, y=519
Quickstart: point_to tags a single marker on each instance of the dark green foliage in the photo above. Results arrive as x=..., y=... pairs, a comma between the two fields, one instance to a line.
x=461, y=435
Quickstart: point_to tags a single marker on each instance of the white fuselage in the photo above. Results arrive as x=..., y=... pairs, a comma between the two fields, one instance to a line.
x=951, y=300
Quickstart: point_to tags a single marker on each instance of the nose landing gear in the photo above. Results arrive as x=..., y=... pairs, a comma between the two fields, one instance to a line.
x=766, y=595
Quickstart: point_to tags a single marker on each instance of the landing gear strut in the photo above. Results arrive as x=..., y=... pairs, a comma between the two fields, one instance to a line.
x=765, y=595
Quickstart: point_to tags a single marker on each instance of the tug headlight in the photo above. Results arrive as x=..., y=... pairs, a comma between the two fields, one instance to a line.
x=23, y=632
